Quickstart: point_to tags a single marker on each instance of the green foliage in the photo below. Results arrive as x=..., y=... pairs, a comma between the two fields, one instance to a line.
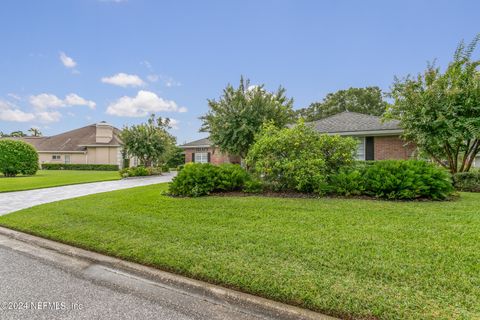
x=407, y=179
x=467, y=181
x=139, y=171
x=347, y=183
x=367, y=100
x=17, y=157
x=199, y=179
x=175, y=157
x=149, y=142
x=298, y=158
x=195, y=180
x=440, y=112
x=235, y=119
x=74, y=166
x=253, y=185
x=35, y=132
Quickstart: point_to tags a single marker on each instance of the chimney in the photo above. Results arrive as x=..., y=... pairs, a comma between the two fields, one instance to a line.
x=104, y=132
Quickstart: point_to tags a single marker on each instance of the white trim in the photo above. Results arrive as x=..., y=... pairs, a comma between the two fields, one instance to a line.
x=62, y=152
x=392, y=132
x=198, y=146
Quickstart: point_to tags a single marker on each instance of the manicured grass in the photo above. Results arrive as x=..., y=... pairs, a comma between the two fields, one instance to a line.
x=54, y=178
x=348, y=258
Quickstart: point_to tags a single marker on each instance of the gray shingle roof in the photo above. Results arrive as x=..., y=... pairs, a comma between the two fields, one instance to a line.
x=74, y=140
x=353, y=122
x=197, y=143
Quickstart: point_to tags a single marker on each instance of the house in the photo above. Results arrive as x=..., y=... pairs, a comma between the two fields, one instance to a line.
x=93, y=144
x=377, y=140
x=203, y=151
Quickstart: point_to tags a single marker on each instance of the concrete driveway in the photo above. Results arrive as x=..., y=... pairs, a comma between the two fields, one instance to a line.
x=14, y=201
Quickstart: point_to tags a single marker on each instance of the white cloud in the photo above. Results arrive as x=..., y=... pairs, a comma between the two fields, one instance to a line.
x=182, y=109
x=14, y=96
x=143, y=104
x=67, y=61
x=45, y=101
x=10, y=112
x=152, y=77
x=124, y=80
x=174, y=123
x=73, y=99
x=48, y=116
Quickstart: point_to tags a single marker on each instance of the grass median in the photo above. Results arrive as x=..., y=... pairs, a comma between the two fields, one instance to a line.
x=355, y=259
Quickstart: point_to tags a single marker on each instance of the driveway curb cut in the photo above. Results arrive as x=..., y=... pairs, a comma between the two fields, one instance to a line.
x=215, y=292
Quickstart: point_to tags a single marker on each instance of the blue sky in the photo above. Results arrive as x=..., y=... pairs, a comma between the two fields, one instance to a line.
x=65, y=64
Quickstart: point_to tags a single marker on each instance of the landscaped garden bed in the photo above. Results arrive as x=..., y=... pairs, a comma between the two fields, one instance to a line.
x=351, y=258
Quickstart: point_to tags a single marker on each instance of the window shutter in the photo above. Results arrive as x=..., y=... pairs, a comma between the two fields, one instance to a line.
x=208, y=157
x=193, y=156
x=369, y=148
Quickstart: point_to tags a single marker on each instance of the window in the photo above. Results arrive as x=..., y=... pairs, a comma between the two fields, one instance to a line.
x=361, y=148
x=201, y=157
x=56, y=157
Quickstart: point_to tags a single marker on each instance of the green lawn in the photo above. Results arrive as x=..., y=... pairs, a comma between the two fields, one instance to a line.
x=348, y=258
x=54, y=178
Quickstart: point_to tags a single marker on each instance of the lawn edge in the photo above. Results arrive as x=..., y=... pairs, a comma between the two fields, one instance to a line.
x=60, y=185
x=263, y=305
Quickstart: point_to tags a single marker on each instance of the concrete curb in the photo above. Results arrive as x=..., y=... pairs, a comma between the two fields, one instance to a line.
x=217, y=293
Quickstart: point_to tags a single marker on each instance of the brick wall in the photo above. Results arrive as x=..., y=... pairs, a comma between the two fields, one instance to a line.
x=216, y=157
x=392, y=147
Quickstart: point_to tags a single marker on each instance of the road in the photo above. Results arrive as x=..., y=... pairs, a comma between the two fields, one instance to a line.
x=37, y=283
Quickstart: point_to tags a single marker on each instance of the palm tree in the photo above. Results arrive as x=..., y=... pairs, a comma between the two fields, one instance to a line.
x=35, y=132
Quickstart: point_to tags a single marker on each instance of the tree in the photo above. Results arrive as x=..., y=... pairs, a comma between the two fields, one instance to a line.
x=18, y=133
x=35, y=132
x=175, y=157
x=17, y=157
x=367, y=100
x=440, y=112
x=149, y=142
x=235, y=119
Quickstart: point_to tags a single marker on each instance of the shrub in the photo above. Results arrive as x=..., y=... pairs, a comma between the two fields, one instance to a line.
x=180, y=167
x=406, y=179
x=230, y=177
x=298, y=158
x=17, y=157
x=139, y=171
x=199, y=179
x=253, y=186
x=194, y=180
x=467, y=181
x=74, y=166
x=165, y=168
x=347, y=182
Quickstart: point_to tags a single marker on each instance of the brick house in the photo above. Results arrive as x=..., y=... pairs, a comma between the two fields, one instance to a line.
x=203, y=151
x=377, y=140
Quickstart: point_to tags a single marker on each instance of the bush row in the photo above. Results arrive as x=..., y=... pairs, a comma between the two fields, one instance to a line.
x=197, y=179
x=140, y=171
x=392, y=179
x=467, y=181
x=73, y=166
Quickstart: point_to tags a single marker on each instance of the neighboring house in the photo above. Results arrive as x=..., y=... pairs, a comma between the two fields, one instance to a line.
x=376, y=140
x=94, y=144
x=203, y=151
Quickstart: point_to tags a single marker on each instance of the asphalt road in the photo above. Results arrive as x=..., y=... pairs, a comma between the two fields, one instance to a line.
x=37, y=283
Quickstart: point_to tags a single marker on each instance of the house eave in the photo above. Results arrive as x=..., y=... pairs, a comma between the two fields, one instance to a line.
x=389, y=132
x=199, y=146
x=62, y=151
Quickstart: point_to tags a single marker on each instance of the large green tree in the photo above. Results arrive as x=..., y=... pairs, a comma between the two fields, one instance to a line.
x=235, y=119
x=440, y=112
x=149, y=142
x=367, y=100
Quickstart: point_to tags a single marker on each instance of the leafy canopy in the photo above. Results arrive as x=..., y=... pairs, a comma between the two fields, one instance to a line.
x=367, y=100
x=17, y=157
x=239, y=114
x=298, y=158
x=440, y=112
x=149, y=141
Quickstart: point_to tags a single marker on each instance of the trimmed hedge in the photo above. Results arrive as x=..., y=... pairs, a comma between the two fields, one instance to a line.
x=467, y=181
x=394, y=180
x=200, y=179
x=72, y=166
x=140, y=171
x=17, y=157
